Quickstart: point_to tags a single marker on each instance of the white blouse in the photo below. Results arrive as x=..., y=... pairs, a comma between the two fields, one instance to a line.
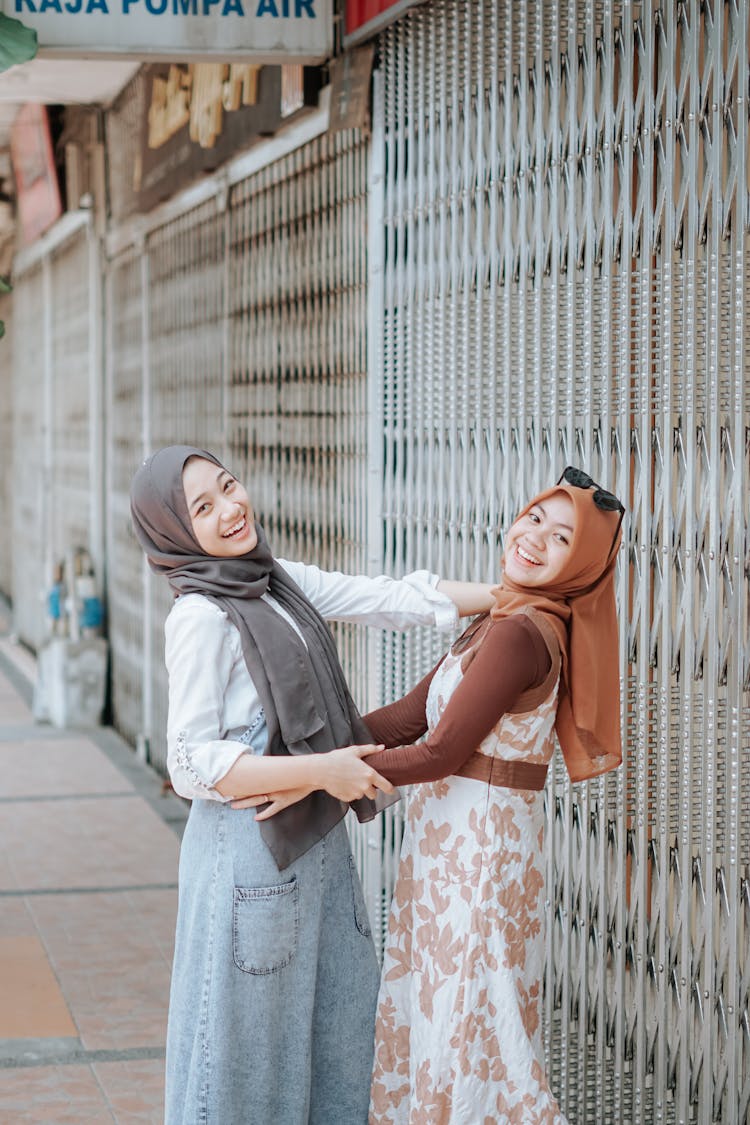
x=210, y=689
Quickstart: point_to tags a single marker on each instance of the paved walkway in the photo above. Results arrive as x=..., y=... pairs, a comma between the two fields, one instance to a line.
x=88, y=867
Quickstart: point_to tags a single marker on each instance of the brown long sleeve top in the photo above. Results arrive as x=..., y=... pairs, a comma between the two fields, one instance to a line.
x=507, y=658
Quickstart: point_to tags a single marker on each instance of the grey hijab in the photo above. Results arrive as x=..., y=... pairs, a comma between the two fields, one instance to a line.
x=301, y=686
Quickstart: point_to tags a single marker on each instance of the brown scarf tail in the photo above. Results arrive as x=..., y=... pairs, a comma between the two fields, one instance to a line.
x=585, y=755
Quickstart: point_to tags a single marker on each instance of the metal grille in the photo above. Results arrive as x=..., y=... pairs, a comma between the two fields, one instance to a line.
x=565, y=213
x=31, y=475
x=239, y=326
x=6, y=446
x=56, y=457
x=71, y=482
x=296, y=409
x=125, y=562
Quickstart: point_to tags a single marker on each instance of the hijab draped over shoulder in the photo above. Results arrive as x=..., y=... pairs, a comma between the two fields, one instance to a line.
x=580, y=609
x=299, y=680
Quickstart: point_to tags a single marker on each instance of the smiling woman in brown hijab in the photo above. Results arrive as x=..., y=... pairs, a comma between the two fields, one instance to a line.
x=458, y=1033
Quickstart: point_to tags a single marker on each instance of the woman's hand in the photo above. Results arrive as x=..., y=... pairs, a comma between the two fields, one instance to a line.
x=344, y=775
x=341, y=772
x=275, y=801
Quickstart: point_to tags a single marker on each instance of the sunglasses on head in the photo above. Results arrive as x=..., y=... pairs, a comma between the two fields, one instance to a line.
x=605, y=501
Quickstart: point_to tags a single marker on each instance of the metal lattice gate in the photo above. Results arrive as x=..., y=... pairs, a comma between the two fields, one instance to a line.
x=296, y=393
x=566, y=257
x=31, y=500
x=56, y=415
x=6, y=447
x=125, y=423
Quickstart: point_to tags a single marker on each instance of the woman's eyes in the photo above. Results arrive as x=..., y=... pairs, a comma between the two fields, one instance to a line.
x=535, y=518
x=227, y=487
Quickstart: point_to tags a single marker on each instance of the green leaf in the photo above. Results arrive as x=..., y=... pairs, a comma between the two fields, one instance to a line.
x=2, y=329
x=5, y=285
x=17, y=43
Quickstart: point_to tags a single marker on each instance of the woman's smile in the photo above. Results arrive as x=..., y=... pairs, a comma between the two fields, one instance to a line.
x=527, y=558
x=236, y=530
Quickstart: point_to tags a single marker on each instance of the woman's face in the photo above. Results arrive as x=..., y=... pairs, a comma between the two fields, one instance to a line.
x=539, y=542
x=221, y=517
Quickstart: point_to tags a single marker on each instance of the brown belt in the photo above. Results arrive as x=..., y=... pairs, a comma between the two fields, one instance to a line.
x=509, y=775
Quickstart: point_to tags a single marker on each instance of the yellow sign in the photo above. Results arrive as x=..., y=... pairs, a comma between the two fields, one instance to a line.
x=197, y=95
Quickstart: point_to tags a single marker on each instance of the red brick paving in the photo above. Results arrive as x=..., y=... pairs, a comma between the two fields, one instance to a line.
x=87, y=881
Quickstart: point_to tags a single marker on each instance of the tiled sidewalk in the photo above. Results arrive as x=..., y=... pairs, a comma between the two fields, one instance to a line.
x=88, y=868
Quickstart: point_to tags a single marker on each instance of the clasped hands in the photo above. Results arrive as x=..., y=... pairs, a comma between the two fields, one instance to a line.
x=341, y=772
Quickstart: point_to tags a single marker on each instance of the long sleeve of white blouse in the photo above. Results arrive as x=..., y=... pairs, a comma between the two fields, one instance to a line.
x=210, y=689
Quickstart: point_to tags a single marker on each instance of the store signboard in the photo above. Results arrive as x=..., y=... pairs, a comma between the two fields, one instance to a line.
x=261, y=31
x=365, y=18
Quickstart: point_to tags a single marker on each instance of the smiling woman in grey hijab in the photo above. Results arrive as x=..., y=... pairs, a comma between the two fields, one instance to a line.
x=297, y=674
x=275, y=974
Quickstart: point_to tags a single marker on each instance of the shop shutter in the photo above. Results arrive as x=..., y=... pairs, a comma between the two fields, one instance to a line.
x=6, y=443
x=56, y=455
x=126, y=566
x=566, y=269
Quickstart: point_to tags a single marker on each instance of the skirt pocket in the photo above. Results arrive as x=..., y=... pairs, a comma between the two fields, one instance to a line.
x=361, y=917
x=265, y=924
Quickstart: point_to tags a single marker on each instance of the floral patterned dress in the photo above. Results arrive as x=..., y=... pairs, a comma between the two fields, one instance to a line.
x=458, y=1036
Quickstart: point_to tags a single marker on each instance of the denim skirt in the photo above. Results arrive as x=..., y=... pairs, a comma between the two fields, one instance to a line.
x=274, y=983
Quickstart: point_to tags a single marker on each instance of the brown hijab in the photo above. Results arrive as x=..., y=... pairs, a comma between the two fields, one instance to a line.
x=580, y=609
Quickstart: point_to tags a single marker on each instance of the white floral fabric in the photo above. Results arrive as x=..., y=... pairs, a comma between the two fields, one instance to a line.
x=458, y=1036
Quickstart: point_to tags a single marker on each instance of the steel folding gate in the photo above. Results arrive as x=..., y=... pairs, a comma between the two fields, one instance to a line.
x=6, y=444
x=57, y=485
x=566, y=258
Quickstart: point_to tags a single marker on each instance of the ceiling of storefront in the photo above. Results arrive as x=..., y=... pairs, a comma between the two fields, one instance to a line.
x=51, y=82
x=59, y=82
